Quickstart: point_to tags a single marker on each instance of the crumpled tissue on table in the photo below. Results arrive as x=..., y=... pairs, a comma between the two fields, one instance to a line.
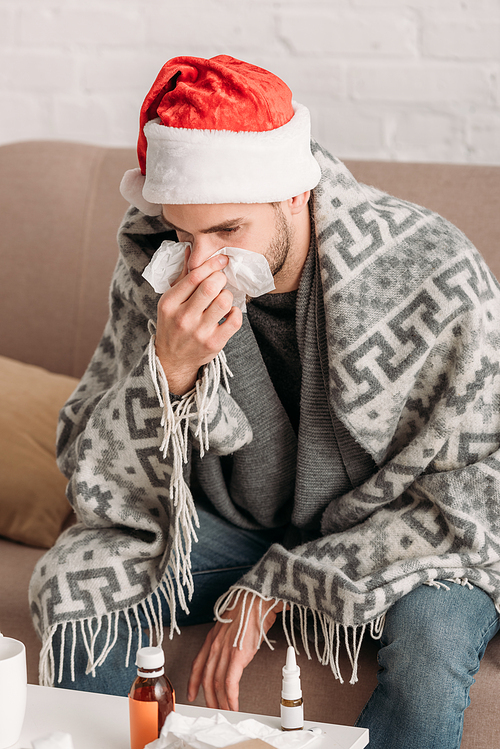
x=56, y=740
x=247, y=273
x=183, y=732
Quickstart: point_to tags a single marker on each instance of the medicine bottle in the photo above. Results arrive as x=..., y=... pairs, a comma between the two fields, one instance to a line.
x=151, y=698
x=292, y=708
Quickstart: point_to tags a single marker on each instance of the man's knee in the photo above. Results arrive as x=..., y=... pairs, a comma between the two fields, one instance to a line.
x=431, y=620
x=434, y=639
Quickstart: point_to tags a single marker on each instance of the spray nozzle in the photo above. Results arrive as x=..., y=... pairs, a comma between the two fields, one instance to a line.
x=291, y=664
x=291, y=689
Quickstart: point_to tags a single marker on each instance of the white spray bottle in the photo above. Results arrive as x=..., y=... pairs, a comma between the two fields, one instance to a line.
x=292, y=708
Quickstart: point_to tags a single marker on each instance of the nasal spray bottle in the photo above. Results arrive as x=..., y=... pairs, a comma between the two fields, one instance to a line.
x=292, y=708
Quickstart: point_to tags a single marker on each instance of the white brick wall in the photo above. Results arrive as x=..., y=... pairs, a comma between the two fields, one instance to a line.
x=391, y=79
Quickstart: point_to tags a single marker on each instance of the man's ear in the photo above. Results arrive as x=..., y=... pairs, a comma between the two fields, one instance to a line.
x=299, y=202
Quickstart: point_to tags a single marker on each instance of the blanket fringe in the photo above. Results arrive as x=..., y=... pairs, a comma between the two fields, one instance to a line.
x=176, y=417
x=89, y=629
x=177, y=580
x=295, y=617
x=463, y=581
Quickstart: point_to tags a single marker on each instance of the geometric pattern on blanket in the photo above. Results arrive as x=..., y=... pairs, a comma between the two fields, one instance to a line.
x=412, y=329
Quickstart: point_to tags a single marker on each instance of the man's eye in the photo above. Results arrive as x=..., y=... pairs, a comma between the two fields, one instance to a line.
x=230, y=231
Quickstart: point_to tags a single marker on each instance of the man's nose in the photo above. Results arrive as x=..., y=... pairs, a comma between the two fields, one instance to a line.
x=201, y=249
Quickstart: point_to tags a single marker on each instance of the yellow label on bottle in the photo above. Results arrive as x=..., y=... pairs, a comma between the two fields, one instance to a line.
x=143, y=723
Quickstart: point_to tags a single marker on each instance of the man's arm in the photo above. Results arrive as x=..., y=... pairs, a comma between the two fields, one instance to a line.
x=118, y=386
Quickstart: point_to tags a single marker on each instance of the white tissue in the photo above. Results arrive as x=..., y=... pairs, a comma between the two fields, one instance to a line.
x=247, y=273
x=182, y=732
x=165, y=265
x=56, y=740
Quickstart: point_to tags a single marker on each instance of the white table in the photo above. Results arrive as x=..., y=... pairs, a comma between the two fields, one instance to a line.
x=100, y=721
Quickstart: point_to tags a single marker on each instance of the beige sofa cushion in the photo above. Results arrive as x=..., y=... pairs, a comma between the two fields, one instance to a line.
x=33, y=505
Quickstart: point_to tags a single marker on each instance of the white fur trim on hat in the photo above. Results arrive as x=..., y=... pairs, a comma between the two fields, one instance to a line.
x=220, y=166
x=131, y=189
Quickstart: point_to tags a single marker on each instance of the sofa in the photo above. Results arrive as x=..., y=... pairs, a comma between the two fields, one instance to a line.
x=61, y=208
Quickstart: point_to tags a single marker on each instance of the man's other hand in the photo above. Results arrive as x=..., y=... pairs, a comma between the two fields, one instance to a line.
x=219, y=665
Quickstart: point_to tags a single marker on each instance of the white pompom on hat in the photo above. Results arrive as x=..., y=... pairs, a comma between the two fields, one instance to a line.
x=219, y=131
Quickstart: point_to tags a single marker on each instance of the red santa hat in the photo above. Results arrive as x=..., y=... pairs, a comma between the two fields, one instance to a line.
x=219, y=131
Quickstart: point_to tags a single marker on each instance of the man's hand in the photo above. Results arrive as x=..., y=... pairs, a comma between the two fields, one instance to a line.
x=219, y=665
x=188, y=333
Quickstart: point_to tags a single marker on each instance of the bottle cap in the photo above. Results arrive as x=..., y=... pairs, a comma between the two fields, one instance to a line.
x=290, y=688
x=152, y=659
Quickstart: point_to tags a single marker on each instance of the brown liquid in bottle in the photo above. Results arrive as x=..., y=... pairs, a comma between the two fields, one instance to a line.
x=151, y=699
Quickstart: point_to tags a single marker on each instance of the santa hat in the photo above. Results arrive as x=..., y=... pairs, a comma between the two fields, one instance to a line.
x=219, y=131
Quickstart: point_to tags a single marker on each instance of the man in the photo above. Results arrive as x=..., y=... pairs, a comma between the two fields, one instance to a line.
x=337, y=444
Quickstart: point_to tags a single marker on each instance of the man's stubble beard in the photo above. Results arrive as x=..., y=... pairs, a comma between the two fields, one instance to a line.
x=278, y=250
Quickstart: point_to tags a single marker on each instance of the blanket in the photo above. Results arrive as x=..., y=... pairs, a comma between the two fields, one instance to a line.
x=407, y=318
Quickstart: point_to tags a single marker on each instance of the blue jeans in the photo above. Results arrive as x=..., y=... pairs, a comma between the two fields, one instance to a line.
x=431, y=648
x=222, y=555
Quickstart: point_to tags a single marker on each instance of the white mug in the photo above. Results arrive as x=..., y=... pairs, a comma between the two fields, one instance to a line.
x=13, y=689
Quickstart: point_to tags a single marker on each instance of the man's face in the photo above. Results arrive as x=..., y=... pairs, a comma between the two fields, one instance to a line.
x=258, y=227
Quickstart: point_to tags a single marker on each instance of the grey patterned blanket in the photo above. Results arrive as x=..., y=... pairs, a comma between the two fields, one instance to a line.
x=408, y=320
